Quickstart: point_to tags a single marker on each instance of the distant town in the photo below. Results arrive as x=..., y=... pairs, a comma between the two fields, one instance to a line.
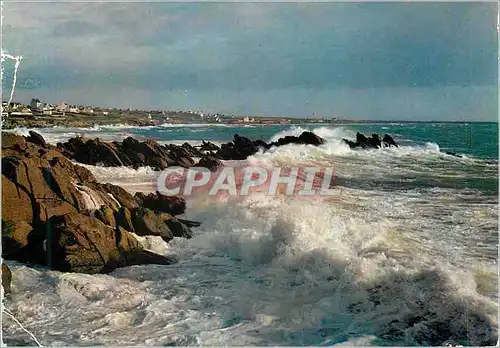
x=39, y=113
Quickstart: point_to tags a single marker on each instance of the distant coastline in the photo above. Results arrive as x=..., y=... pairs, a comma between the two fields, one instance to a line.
x=42, y=115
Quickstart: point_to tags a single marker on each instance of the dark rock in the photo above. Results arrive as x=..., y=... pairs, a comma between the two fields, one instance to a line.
x=177, y=228
x=208, y=146
x=239, y=149
x=37, y=139
x=123, y=219
x=372, y=142
x=210, y=162
x=311, y=139
x=389, y=141
x=130, y=152
x=174, y=205
x=189, y=223
x=242, y=147
x=146, y=257
x=6, y=277
x=147, y=223
x=191, y=150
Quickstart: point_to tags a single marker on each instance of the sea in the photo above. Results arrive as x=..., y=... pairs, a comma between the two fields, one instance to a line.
x=406, y=255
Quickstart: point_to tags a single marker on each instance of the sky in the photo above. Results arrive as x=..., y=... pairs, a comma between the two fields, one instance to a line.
x=384, y=61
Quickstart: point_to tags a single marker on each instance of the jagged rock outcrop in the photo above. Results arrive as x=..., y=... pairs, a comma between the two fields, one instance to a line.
x=134, y=153
x=208, y=146
x=55, y=213
x=129, y=152
x=240, y=148
x=372, y=142
x=306, y=138
x=191, y=150
x=37, y=139
x=389, y=141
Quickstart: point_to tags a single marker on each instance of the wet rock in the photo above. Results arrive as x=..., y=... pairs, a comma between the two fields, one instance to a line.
x=177, y=228
x=129, y=152
x=6, y=277
x=389, y=141
x=147, y=223
x=190, y=223
x=37, y=139
x=191, y=150
x=372, y=142
x=306, y=138
x=208, y=146
x=174, y=205
x=240, y=148
x=210, y=162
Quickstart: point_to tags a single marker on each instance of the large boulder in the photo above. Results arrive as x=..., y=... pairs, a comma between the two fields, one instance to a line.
x=306, y=138
x=78, y=243
x=309, y=138
x=55, y=213
x=240, y=148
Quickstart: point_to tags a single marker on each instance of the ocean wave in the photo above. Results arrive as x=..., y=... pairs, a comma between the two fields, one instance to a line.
x=272, y=271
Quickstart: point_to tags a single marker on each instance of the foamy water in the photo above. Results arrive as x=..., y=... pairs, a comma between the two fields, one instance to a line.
x=408, y=250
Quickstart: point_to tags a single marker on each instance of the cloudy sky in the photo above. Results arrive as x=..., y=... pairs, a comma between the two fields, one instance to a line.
x=428, y=61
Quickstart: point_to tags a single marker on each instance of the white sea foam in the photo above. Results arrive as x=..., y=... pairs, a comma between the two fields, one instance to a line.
x=263, y=271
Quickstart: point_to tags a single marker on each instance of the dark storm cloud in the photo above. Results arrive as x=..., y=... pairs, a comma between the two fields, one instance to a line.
x=167, y=47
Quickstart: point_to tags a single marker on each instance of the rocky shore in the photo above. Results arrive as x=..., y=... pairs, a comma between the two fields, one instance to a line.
x=55, y=213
